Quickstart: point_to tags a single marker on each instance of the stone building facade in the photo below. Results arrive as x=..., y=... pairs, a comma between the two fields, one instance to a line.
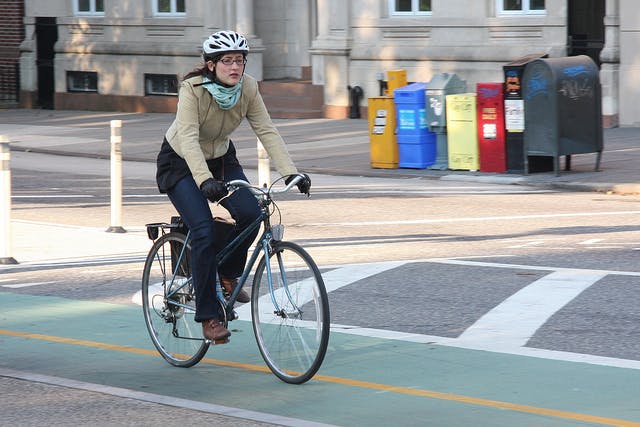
x=126, y=55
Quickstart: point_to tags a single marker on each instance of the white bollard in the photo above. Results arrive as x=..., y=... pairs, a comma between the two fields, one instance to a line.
x=5, y=206
x=116, y=178
x=264, y=167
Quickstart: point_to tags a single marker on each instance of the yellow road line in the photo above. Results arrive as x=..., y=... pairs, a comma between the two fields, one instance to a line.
x=352, y=383
x=481, y=402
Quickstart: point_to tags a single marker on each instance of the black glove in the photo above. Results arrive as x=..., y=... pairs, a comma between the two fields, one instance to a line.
x=213, y=190
x=304, y=185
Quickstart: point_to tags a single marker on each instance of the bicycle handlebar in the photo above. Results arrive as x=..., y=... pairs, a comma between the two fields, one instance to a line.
x=240, y=183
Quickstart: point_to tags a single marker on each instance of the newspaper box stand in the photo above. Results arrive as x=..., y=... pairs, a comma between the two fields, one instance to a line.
x=491, y=128
x=462, y=131
x=395, y=80
x=438, y=88
x=563, y=111
x=514, y=117
x=416, y=144
x=382, y=137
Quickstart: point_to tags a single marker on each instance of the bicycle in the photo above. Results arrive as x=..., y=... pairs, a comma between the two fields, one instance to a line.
x=289, y=304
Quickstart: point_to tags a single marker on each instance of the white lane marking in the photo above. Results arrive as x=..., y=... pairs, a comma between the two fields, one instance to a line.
x=514, y=346
x=411, y=192
x=529, y=244
x=29, y=284
x=345, y=275
x=99, y=271
x=176, y=402
x=75, y=227
x=476, y=219
x=514, y=321
x=486, y=346
x=591, y=242
x=52, y=196
x=83, y=196
x=464, y=261
x=155, y=290
x=74, y=262
x=335, y=279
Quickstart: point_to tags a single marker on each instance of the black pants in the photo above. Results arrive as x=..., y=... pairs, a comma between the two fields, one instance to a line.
x=194, y=209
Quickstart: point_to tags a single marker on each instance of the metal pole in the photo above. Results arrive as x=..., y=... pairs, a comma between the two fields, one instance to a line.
x=5, y=207
x=116, y=178
x=264, y=168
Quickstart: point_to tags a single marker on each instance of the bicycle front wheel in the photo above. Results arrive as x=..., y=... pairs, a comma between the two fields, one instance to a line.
x=291, y=319
x=168, y=301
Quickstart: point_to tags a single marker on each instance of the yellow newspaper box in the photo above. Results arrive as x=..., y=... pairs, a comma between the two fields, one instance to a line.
x=395, y=80
x=382, y=132
x=462, y=131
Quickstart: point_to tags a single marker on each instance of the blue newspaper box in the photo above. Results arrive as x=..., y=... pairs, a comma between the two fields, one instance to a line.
x=416, y=143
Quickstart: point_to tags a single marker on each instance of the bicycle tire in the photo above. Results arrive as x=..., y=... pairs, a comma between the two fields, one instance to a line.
x=173, y=330
x=293, y=345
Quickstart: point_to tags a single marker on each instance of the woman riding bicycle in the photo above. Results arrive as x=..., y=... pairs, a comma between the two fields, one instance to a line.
x=197, y=158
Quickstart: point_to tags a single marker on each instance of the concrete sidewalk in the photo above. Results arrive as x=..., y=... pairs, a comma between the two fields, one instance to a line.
x=338, y=147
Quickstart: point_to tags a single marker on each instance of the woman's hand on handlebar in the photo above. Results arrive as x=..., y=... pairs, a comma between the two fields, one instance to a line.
x=213, y=190
x=303, y=184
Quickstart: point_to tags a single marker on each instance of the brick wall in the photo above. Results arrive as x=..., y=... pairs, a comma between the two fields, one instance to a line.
x=11, y=35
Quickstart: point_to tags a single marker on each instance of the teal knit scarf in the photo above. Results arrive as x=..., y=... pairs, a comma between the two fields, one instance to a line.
x=226, y=97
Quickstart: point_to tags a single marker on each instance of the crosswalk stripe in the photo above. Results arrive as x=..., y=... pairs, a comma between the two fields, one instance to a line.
x=514, y=321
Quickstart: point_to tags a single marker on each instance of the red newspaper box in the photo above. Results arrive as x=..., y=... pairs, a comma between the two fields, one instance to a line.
x=491, y=127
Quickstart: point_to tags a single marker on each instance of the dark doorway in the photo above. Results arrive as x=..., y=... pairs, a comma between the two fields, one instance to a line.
x=46, y=37
x=586, y=28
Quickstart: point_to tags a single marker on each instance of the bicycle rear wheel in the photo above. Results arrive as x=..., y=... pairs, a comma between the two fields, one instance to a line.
x=291, y=324
x=169, y=302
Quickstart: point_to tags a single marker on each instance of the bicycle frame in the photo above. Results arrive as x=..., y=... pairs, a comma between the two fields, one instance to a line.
x=261, y=247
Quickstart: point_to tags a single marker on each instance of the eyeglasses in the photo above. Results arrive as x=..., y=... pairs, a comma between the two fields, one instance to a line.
x=229, y=61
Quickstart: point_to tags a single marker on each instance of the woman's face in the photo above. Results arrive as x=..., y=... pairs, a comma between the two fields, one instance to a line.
x=229, y=69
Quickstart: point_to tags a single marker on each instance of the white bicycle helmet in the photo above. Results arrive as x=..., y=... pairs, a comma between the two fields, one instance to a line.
x=224, y=41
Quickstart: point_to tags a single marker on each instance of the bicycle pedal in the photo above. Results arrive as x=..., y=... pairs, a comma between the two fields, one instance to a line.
x=221, y=341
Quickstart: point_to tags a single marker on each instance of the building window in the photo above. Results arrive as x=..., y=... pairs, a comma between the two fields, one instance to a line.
x=521, y=7
x=169, y=7
x=410, y=7
x=82, y=81
x=161, y=84
x=88, y=7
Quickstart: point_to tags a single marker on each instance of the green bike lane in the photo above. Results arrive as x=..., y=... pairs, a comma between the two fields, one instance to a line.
x=363, y=381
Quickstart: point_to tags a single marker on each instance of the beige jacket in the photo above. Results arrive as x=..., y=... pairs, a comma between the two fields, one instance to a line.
x=201, y=128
